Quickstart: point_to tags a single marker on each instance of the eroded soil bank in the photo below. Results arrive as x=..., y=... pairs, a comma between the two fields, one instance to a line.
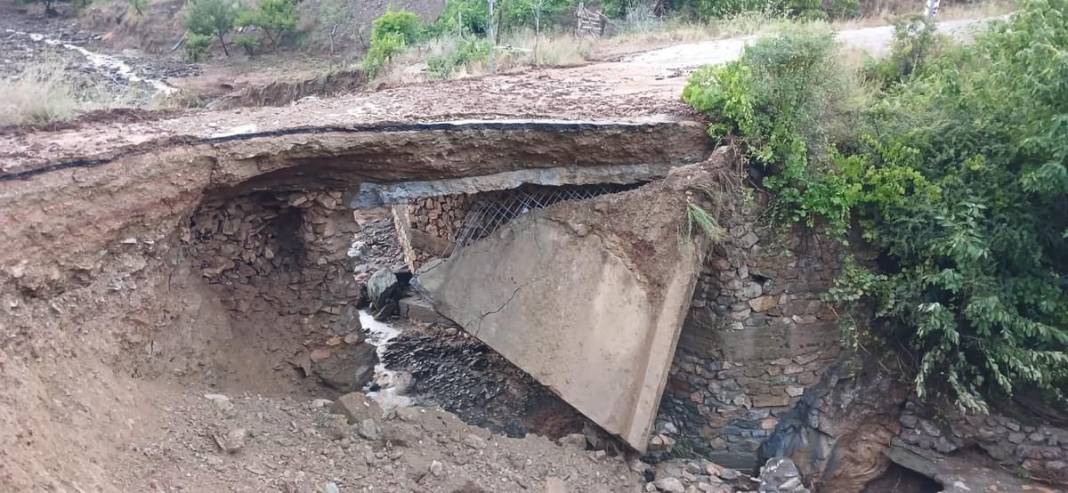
x=135, y=286
x=201, y=362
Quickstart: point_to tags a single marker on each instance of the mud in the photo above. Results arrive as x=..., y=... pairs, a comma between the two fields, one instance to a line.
x=286, y=91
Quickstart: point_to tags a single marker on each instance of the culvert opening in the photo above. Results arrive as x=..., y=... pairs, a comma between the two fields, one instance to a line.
x=278, y=264
x=295, y=272
x=437, y=227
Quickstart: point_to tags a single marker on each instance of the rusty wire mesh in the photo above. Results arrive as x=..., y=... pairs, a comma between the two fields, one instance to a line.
x=491, y=210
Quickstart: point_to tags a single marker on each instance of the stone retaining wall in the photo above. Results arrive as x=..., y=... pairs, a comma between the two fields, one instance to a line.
x=279, y=263
x=756, y=336
x=427, y=226
x=1039, y=449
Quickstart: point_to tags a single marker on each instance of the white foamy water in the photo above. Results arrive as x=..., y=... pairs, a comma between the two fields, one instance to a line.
x=102, y=61
x=392, y=384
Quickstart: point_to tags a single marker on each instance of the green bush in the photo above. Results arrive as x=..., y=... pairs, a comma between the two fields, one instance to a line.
x=196, y=46
x=211, y=18
x=785, y=100
x=915, y=39
x=462, y=17
x=978, y=287
x=959, y=179
x=465, y=54
x=275, y=18
x=402, y=22
x=383, y=49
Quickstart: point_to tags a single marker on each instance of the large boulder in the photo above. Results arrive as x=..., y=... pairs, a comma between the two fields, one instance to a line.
x=347, y=368
x=381, y=287
x=383, y=290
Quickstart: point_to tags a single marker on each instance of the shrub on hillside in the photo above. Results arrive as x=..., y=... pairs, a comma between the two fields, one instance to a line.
x=249, y=44
x=465, y=54
x=402, y=22
x=275, y=18
x=196, y=46
x=978, y=289
x=915, y=40
x=788, y=101
x=383, y=49
x=960, y=180
x=462, y=17
x=207, y=18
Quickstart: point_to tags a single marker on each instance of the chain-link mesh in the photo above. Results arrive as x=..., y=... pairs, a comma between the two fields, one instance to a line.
x=491, y=210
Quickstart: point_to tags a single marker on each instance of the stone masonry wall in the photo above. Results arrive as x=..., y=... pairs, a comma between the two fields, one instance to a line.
x=280, y=264
x=1038, y=448
x=427, y=226
x=756, y=336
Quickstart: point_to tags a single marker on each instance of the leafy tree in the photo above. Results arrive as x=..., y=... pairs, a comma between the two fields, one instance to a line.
x=472, y=16
x=402, y=22
x=915, y=38
x=462, y=17
x=212, y=18
x=275, y=18
x=979, y=286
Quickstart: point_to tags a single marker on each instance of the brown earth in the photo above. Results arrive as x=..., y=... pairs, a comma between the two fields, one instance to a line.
x=111, y=333
x=134, y=286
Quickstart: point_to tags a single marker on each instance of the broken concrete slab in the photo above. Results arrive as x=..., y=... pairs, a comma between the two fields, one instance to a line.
x=418, y=309
x=588, y=297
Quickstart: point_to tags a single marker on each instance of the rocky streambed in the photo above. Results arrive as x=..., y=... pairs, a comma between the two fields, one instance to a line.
x=59, y=47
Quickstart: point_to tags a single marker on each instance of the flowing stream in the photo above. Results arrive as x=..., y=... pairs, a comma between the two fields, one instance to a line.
x=391, y=384
x=104, y=62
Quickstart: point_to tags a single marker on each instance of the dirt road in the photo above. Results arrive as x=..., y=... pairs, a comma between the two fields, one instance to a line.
x=643, y=86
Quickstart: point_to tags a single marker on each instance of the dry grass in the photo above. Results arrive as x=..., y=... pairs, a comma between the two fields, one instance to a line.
x=642, y=33
x=48, y=93
x=524, y=49
x=39, y=95
x=884, y=13
x=519, y=51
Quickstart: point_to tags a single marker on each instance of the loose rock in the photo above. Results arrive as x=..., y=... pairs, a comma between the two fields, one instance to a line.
x=670, y=485
x=357, y=407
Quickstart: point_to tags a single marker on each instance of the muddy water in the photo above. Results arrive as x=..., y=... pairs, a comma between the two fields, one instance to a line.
x=104, y=63
x=390, y=385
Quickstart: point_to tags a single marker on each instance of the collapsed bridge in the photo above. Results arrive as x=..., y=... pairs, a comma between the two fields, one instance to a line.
x=589, y=296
